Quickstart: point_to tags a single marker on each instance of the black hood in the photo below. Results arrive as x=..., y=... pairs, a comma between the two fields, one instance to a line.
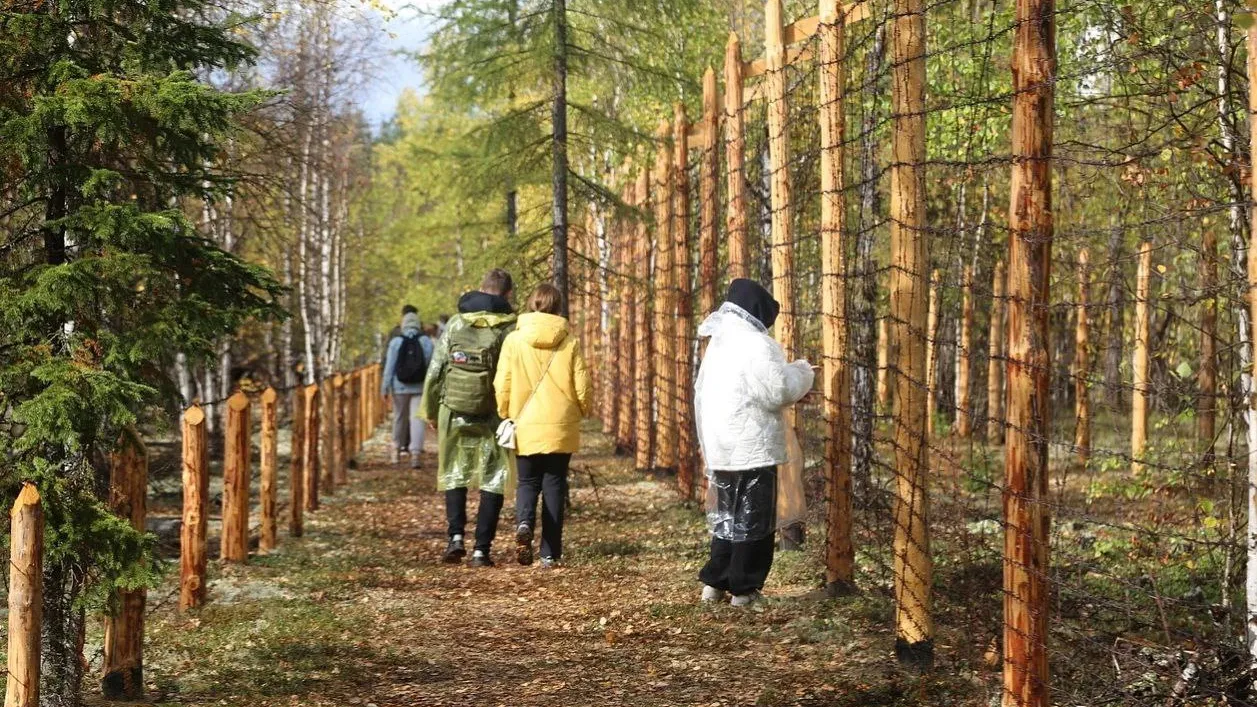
x=476, y=301
x=752, y=297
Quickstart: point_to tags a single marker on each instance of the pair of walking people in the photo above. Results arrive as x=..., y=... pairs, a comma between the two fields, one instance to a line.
x=490, y=365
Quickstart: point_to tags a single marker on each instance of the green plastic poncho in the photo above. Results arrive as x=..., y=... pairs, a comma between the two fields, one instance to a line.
x=468, y=451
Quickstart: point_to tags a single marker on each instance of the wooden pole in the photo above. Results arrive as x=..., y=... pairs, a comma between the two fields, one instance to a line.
x=344, y=420
x=1250, y=576
x=192, y=534
x=297, y=465
x=626, y=374
x=995, y=361
x=735, y=160
x=665, y=308
x=883, y=363
x=1207, y=380
x=1082, y=364
x=931, y=356
x=333, y=436
x=1143, y=332
x=709, y=172
x=1026, y=518
x=26, y=598
x=836, y=383
x=645, y=437
x=270, y=473
x=790, y=496
x=687, y=448
x=329, y=444
x=236, y=457
x=964, y=358
x=313, y=459
x=123, y=649
x=626, y=396
x=913, y=566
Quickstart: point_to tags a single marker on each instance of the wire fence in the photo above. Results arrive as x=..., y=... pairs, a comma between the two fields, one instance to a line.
x=1144, y=338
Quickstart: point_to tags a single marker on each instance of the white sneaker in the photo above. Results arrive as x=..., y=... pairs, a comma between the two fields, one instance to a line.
x=711, y=594
x=745, y=599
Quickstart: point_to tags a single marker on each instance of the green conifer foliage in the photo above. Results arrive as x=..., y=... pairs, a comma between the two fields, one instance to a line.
x=106, y=134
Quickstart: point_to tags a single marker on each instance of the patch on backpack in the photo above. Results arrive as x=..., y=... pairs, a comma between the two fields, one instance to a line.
x=459, y=357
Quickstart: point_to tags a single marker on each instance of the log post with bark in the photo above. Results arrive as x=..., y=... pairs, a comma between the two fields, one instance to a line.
x=643, y=324
x=26, y=598
x=236, y=458
x=909, y=261
x=665, y=306
x=836, y=375
x=269, y=535
x=687, y=439
x=1139, y=392
x=193, y=552
x=1026, y=515
x=735, y=160
x=1082, y=364
x=123, y=650
x=296, y=466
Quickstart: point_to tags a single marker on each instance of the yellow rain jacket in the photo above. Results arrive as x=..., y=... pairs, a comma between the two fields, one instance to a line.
x=550, y=422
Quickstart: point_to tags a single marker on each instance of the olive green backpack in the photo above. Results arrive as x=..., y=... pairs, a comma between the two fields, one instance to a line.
x=473, y=360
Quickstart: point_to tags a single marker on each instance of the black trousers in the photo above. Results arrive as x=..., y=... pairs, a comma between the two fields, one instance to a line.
x=543, y=475
x=486, y=517
x=746, y=507
x=739, y=568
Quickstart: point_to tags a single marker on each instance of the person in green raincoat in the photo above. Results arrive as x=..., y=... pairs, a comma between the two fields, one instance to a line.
x=458, y=398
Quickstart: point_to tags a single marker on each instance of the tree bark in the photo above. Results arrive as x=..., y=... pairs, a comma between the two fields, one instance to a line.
x=559, y=151
x=124, y=629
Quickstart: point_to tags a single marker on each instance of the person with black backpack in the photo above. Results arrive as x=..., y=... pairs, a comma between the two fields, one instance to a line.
x=405, y=368
x=458, y=397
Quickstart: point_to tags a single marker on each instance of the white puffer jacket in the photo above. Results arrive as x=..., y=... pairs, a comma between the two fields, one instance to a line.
x=743, y=385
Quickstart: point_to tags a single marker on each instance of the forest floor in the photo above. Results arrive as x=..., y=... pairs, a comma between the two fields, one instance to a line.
x=362, y=612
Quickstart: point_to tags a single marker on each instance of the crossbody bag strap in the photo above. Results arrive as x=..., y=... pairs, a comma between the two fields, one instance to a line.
x=545, y=371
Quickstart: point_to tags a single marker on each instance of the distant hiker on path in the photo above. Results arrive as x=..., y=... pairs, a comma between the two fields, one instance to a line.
x=458, y=397
x=396, y=331
x=744, y=384
x=543, y=387
x=405, y=368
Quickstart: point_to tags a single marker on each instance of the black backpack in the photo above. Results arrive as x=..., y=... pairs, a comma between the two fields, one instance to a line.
x=412, y=365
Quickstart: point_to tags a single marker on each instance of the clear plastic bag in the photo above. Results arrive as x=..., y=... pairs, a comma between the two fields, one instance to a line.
x=742, y=505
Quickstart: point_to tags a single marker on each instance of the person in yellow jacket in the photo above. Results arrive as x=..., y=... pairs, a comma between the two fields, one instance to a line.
x=542, y=384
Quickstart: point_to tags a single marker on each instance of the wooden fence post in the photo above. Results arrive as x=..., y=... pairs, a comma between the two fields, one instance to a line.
x=1082, y=364
x=333, y=439
x=340, y=471
x=1026, y=518
x=931, y=355
x=791, y=501
x=297, y=468
x=836, y=383
x=123, y=649
x=665, y=309
x=26, y=598
x=913, y=566
x=964, y=358
x=708, y=247
x=236, y=457
x=735, y=161
x=315, y=455
x=1143, y=332
x=627, y=360
x=995, y=361
x=192, y=534
x=687, y=449
x=270, y=472
x=1207, y=381
x=645, y=436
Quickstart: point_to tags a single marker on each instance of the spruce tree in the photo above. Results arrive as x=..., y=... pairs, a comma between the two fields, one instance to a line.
x=106, y=134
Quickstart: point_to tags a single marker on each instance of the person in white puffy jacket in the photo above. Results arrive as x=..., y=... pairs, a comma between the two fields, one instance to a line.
x=744, y=384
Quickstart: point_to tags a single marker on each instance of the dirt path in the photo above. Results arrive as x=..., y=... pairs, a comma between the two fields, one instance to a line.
x=362, y=612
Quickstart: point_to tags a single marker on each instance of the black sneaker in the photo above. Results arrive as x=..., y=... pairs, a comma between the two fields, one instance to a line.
x=523, y=544
x=454, y=552
x=480, y=558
